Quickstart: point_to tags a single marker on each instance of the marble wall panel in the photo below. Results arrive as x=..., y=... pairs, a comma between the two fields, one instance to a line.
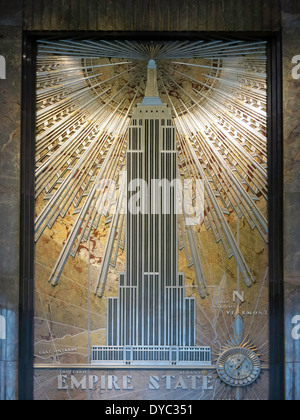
x=292, y=378
x=152, y=15
x=10, y=117
x=11, y=13
x=8, y=375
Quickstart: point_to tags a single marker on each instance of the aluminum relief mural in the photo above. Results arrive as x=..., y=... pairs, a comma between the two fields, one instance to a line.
x=151, y=220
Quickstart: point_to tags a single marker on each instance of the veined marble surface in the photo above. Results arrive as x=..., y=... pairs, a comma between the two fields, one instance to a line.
x=10, y=105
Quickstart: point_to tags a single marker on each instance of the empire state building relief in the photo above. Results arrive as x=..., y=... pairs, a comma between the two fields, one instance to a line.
x=151, y=212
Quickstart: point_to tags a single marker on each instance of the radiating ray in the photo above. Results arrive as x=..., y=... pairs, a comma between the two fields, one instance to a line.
x=157, y=49
x=83, y=112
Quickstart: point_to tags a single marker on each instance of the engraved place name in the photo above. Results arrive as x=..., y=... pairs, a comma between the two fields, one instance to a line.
x=250, y=313
x=57, y=351
x=231, y=309
x=201, y=382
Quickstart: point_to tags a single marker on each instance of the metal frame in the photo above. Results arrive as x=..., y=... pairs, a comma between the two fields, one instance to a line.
x=26, y=305
x=26, y=317
x=275, y=137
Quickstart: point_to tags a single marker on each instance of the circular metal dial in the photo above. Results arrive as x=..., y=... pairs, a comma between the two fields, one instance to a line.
x=239, y=367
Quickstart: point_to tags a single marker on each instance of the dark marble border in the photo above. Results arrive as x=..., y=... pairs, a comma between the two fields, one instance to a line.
x=10, y=139
x=26, y=319
x=275, y=138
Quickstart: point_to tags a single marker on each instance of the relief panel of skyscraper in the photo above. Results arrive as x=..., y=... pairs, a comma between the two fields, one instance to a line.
x=151, y=229
x=151, y=321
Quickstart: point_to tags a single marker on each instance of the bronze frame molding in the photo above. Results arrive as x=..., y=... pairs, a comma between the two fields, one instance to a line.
x=275, y=140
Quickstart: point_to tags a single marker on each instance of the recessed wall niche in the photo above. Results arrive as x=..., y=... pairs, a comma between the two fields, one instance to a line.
x=168, y=287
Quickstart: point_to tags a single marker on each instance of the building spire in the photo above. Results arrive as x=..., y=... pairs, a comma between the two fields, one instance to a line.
x=152, y=94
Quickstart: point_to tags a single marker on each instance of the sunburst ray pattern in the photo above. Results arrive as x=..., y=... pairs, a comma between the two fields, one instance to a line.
x=86, y=90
